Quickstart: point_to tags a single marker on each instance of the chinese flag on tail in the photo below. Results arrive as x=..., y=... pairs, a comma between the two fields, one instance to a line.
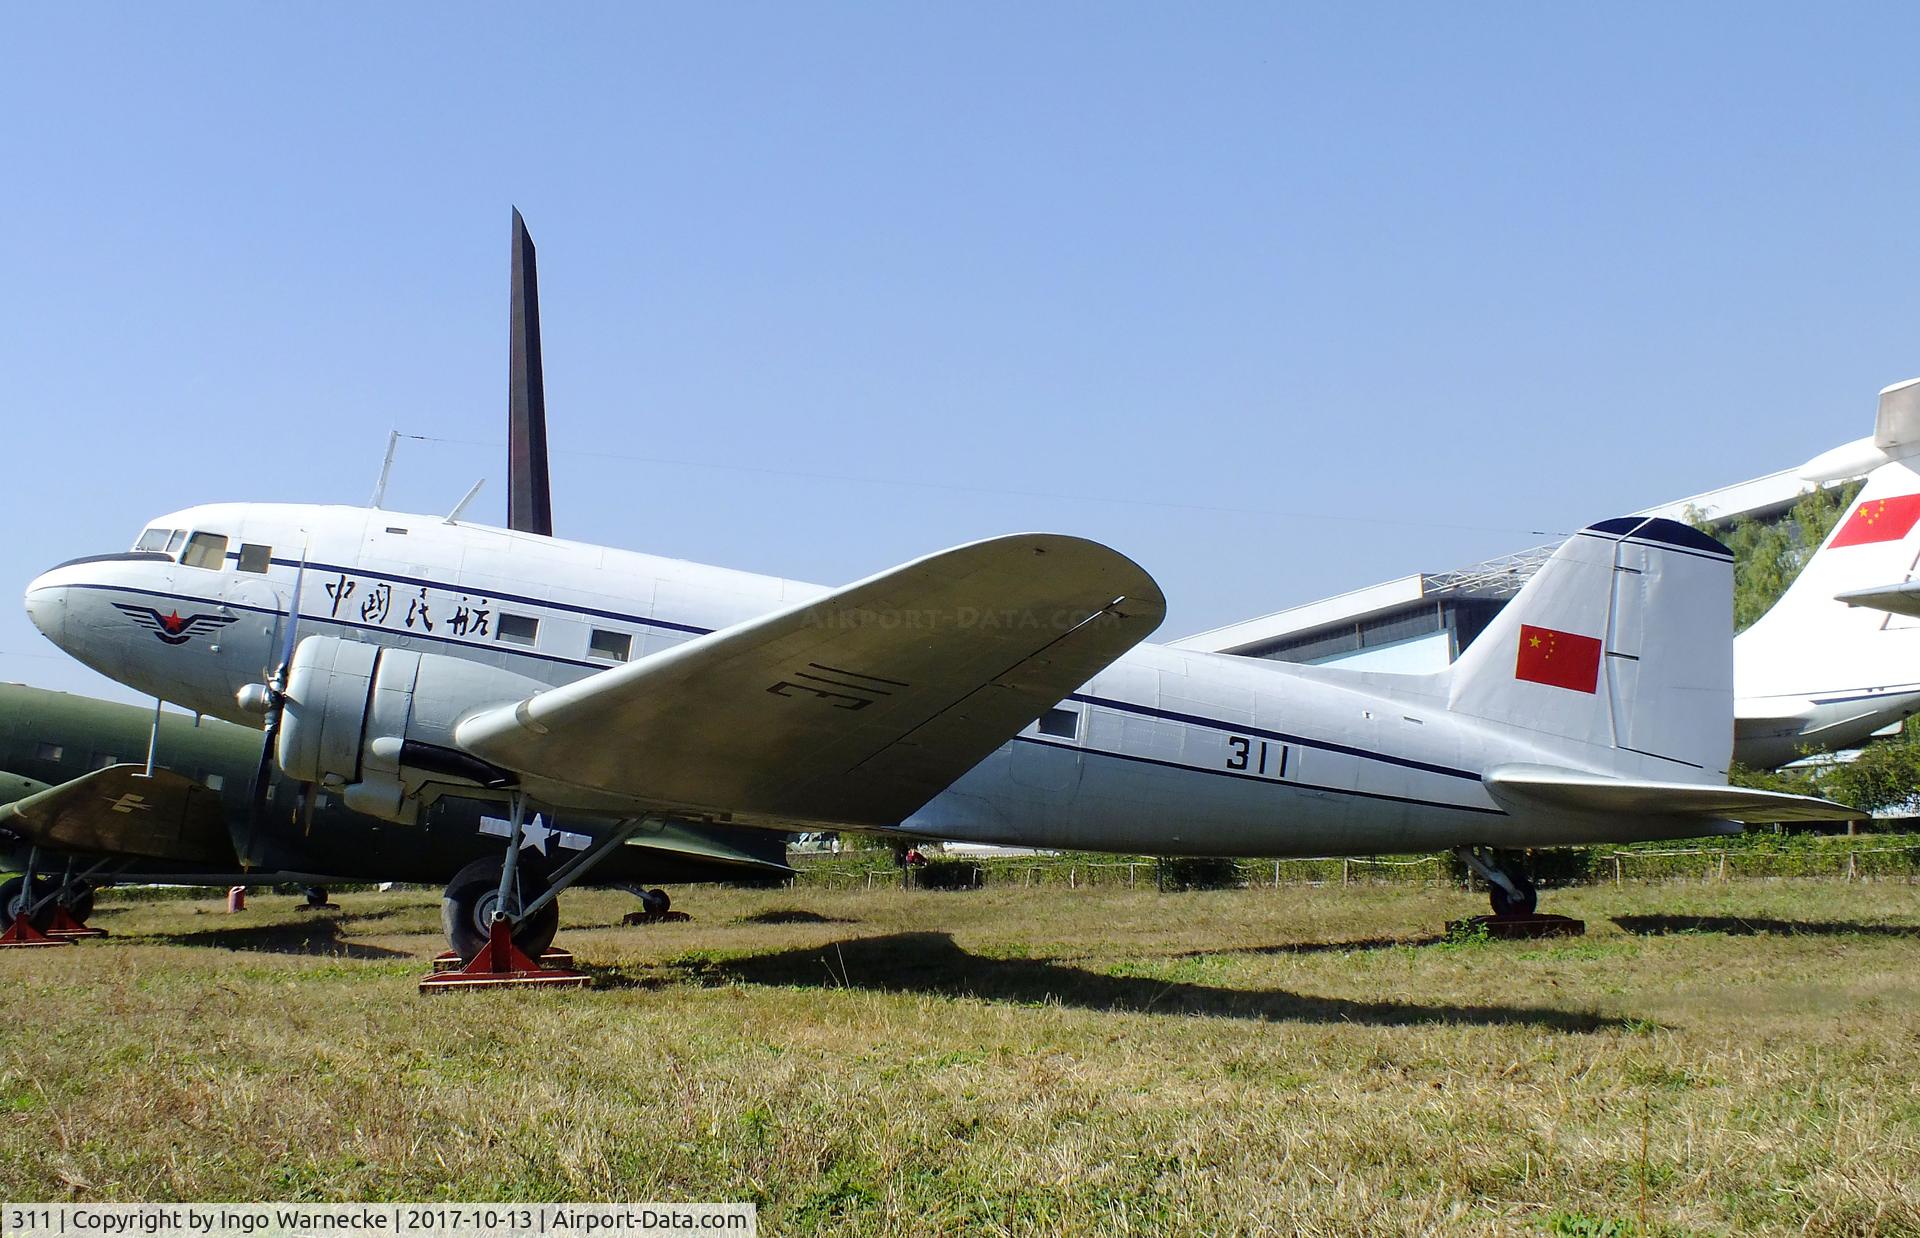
x=1558, y=659
x=1879, y=520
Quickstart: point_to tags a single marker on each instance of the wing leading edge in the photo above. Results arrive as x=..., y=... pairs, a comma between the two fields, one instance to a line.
x=852, y=709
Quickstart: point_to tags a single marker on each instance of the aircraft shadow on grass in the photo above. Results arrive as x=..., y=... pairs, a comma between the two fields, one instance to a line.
x=933, y=963
x=1319, y=947
x=792, y=915
x=319, y=936
x=1752, y=926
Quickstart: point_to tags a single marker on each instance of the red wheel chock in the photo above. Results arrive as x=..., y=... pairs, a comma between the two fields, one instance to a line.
x=21, y=933
x=501, y=964
x=1520, y=927
x=64, y=926
x=552, y=957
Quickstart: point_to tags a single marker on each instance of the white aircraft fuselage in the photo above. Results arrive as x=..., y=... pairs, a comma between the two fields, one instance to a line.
x=1166, y=752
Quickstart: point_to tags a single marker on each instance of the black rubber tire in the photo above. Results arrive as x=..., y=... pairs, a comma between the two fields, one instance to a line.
x=657, y=902
x=10, y=891
x=79, y=901
x=466, y=908
x=1505, y=904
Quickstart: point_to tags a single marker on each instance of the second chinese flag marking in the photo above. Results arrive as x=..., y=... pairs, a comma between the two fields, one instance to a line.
x=1558, y=659
x=1879, y=520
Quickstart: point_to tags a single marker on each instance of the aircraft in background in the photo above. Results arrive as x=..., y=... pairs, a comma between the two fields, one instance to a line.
x=67, y=788
x=1837, y=658
x=995, y=692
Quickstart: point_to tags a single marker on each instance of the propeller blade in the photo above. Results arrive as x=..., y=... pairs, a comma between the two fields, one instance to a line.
x=279, y=675
x=263, y=775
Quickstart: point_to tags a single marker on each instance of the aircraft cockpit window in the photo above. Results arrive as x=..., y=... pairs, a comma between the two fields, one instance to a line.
x=154, y=540
x=44, y=751
x=517, y=629
x=176, y=541
x=1061, y=723
x=255, y=557
x=206, y=550
x=613, y=646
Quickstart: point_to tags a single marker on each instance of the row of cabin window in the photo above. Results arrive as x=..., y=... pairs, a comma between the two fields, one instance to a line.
x=57, y=753
x=524, y=630
x=209, y=550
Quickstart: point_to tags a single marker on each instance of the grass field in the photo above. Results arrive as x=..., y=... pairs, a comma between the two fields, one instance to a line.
x=1733, y=1058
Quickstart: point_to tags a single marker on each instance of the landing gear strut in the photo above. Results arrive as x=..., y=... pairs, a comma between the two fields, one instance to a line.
x=1508, y=886
x=50, y=906
x=501, y=915
x=1515, y=900
x=472, y=898
x=15, y=901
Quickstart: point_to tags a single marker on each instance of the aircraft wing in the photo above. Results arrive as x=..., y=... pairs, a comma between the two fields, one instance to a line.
x=715, y=847
x=1540, y=786
x=852, y=709
x=121, y=810
x=1901, y=599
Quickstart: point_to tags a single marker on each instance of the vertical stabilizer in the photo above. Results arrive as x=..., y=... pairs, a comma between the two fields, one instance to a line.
x=529, y=499
x=1619, y=652
x=1813, y=647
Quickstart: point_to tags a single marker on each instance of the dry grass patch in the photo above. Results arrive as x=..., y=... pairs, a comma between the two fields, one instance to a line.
x=1743, y=1058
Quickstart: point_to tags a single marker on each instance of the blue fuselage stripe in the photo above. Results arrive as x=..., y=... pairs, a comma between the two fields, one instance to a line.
x=1274, y=782
x=1148, y=711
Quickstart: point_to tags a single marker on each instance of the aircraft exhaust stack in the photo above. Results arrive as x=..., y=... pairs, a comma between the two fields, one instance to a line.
x=529, y=496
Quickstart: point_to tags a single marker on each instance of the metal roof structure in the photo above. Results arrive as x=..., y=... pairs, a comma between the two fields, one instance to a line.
x=1498, y=578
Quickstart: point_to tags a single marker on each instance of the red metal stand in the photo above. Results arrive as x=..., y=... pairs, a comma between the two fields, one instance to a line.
x=63, y=925
x=21, y=933
x=1522, y=928
x=501, y=964
x=552, y=957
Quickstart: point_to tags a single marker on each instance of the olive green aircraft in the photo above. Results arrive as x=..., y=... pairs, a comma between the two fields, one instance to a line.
x=83, y=809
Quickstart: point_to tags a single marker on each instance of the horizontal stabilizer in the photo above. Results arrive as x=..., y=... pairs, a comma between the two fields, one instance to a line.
x=1900, y=599
x=1565, y=790
x=120, y=810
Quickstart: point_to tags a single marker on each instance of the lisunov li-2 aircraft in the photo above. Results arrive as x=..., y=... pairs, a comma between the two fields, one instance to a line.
x=1837, y=658
x=997, y=692
x=85, y=816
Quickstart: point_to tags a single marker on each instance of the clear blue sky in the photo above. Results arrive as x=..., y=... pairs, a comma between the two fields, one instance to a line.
x=1405, y=285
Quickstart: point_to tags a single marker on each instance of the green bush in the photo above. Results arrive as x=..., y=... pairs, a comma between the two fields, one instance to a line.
x=946, y=875
x=1199, y=873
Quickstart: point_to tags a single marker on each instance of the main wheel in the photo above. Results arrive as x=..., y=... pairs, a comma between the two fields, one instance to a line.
x=656, y=902
x=78, y=900
x=1505, y=904
x=467, y=907
x=13, y=899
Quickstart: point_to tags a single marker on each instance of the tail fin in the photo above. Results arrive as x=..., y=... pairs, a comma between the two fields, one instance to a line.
x=1623, y=641
x=1813, y=644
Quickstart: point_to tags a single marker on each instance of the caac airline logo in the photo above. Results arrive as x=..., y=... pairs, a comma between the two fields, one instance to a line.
x=173, y=628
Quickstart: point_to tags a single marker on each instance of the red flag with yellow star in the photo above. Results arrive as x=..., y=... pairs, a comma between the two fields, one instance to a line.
x=1879, y=520
x=1558, y=659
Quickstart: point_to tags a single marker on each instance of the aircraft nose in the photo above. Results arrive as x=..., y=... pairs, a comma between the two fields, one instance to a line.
x=47, y=605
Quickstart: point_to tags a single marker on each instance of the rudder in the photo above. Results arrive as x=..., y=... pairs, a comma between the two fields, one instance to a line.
x=1622, y=643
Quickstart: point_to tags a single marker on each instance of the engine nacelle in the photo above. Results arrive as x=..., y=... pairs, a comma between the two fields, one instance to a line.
x=375, y=725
